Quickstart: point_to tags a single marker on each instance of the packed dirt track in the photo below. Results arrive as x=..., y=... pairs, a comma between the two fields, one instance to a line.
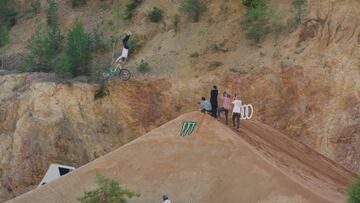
x=214, y=164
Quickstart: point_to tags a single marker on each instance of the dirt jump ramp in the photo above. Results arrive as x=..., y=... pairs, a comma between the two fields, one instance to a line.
x=213, y=164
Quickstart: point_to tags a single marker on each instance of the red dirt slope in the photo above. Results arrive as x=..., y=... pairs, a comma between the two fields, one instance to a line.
x=215, y=164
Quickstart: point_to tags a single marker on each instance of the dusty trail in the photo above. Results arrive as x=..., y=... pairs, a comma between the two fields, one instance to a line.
x=214, y=164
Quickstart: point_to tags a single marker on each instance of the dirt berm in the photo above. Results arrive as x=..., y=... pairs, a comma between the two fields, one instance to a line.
x=214, y=164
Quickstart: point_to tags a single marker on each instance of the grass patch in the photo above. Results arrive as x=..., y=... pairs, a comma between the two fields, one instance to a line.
x=143, y=67
x=155, y=15
x=131, y=8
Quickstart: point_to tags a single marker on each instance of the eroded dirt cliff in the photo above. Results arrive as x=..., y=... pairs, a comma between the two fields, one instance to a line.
x=43, y=122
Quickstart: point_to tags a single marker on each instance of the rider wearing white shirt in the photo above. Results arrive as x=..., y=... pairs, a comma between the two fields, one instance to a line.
x=125, y=50
x=236, y=114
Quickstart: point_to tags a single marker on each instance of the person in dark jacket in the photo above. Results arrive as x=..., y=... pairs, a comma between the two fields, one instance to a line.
x=214, y=102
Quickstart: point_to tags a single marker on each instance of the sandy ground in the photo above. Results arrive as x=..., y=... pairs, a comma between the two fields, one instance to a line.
x=214, y=164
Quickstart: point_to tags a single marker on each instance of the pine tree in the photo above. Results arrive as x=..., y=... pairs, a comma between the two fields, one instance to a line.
x=79, y=50
x=40, y=52
x=54, y=34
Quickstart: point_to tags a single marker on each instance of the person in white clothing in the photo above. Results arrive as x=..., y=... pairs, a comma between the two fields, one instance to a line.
x=125, y=50
x=236, y=111
x=166, y=199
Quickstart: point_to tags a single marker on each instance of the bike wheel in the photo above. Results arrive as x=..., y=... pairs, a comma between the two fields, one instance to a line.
x=124, y=74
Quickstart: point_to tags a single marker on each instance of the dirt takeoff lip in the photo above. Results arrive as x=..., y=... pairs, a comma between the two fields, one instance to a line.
x=213, y=164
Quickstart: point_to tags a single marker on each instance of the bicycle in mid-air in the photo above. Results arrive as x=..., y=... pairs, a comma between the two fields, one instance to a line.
x=114, y=69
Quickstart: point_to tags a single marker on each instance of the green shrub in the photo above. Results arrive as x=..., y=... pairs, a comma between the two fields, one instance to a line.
x=79, y=50
x=354, y=191
x=51, y=13
x=40, y=52
x=257, y=22
x=109, y=191
x=35, y=6
x=131, y=8
x=54, y=34
x=133, y=43
x=63, y=65
x=77, y=3
x=4, y=37
x=55, y=38
x=143, y=66
x=254, y=3
x=155, y=15
x=194, y=8
x=7, y=14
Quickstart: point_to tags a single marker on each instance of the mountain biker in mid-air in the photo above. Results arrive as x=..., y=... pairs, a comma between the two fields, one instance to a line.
x=125, y=50
x=116, y=67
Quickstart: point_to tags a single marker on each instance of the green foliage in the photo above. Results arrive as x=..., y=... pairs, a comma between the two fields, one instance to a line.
x=40, y=52
x=54, y=33
x=79, y=50
x=63, y=65
x=176, y=22
x=131, y=8
x=109, y=191
x=77, y=3
x=299, y=7
x=51, y=13
x=4, y=36
x=35, y=6
x=133, y=43
x=7, y=14
x=194, y=8
x=55, y=37
x=254, y=3
x=143, y=66
x=155, y=15
x=354, y=191
x=101, y=92
x=258, y=21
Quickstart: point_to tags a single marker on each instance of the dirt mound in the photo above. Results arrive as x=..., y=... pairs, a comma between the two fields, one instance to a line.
x=214, y=164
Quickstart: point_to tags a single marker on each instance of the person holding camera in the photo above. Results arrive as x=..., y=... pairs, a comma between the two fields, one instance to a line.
x=226, y=106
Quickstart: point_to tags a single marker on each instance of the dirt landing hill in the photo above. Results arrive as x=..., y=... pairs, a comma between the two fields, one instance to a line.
x=214, y=164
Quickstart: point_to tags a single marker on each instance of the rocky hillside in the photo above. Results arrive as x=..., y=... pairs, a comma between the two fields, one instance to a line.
x=305, y=84
x=45, y=122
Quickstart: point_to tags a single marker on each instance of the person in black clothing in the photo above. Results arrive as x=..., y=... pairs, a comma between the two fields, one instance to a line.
x=214, y=102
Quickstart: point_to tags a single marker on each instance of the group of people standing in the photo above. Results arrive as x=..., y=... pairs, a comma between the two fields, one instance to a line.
x=213, y=108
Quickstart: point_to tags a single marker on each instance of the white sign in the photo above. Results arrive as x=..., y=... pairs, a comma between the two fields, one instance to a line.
x=246, y=111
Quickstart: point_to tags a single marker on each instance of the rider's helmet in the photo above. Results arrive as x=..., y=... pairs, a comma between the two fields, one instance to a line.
x=165, y=197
